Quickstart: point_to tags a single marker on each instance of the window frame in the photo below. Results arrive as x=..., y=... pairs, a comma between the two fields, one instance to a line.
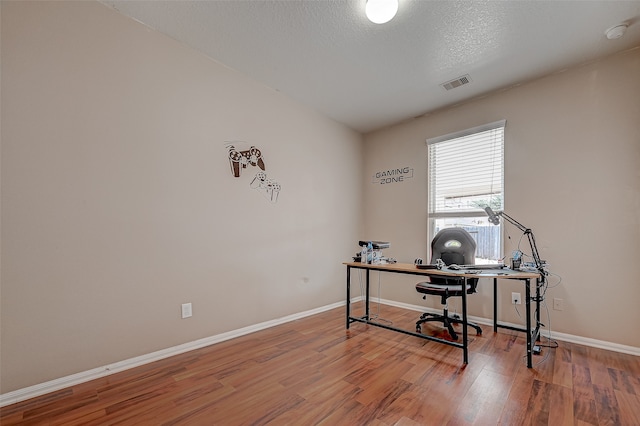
x=433, y=215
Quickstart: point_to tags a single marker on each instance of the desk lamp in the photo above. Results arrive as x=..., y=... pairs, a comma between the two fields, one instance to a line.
x=540, y=266
x=494, y=218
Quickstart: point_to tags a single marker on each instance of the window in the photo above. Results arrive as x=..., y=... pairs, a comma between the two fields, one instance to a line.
x=466, y=174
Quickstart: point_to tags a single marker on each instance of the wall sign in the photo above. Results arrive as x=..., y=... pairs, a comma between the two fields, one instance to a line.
x=393, y=175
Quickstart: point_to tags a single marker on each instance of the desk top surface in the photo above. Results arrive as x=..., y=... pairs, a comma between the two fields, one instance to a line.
x=410, y=268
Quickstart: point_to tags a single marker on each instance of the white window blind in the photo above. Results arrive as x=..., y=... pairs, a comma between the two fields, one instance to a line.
x=466, y=171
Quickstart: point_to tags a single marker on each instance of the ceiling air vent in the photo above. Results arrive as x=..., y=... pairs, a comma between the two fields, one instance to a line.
x=460, y=81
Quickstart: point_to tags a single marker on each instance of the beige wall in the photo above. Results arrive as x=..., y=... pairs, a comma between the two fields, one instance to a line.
x=118, y=204
x=572, y=174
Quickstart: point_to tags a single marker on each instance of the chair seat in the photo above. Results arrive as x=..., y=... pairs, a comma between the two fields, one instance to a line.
x=437, y=289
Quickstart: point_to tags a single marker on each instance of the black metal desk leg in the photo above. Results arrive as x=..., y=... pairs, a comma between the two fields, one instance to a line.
x=527, y=290
x=348, y=295
x=495, y=305
x=538, y=281
x=366, y=309
x=465, y=336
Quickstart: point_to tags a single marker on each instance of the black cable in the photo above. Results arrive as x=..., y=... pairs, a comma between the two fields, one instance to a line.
x=362, y=294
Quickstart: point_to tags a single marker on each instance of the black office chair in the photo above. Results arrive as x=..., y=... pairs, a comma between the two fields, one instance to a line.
x=453, y=246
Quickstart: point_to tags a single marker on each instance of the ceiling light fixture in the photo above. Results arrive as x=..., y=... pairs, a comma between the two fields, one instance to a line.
x=381, y=11
x=616, y=31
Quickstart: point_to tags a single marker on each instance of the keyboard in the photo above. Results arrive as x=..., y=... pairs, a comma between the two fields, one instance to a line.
x=478, y=267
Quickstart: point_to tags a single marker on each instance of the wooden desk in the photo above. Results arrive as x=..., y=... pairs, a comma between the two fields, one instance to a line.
x=408, y=268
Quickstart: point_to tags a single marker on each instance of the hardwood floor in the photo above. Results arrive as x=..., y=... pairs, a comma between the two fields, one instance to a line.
x=313, y=371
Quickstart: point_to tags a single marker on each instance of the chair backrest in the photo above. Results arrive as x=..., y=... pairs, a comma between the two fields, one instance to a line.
x=453, y=245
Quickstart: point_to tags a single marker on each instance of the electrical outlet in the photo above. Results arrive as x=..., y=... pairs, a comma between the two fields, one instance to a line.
x=187, y=310
x=558, y=304
x=516, y=298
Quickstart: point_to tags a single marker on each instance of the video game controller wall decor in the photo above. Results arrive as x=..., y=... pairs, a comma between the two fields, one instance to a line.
x=239, y=160
x=269, y=188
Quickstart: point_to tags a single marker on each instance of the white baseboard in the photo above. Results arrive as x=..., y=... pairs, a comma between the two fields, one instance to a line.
x=85, y=376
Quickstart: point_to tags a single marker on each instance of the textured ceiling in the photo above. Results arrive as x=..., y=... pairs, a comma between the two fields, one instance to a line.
x=327, y=55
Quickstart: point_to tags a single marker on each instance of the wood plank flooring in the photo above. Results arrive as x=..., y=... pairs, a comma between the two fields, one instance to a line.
x=315, y=372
